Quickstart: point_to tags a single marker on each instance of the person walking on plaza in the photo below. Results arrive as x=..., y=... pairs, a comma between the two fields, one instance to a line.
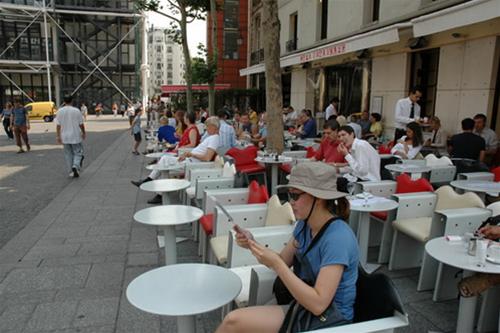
x=5, y=116
x=98, y=110
x=407, y=110
x=71, y=133
x=84, y=110
x=136, y=132
x=114, y=108
x=20, y=123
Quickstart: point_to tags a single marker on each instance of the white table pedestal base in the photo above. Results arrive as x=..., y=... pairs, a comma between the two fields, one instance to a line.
x=364, y=239
x=165, y=198
x=186, y=324
x=274, y=178
x=170, y=245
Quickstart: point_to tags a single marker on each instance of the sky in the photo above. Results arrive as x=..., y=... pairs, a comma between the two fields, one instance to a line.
x=197, y=31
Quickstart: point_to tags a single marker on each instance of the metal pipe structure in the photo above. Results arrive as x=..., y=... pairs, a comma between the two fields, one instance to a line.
x=46, y=29
x=95, y=60
x=144, y=62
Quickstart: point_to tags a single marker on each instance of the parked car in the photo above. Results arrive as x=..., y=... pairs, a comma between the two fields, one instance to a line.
x=42, y=110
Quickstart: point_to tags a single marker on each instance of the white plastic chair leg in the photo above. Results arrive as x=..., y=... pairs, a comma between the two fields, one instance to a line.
x=385, y=243
x=428, y=273
x=446, y=283
x=405, y=252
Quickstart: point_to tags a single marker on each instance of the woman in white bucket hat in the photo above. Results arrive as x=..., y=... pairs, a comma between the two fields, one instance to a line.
x=323, y=251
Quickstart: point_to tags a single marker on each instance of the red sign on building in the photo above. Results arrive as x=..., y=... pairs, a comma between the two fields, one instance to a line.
x=328, y=51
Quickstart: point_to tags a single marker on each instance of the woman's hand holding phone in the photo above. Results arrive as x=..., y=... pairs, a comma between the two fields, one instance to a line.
x=242, y=236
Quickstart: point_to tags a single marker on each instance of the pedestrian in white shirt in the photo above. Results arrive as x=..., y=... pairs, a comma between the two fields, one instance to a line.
x=331, y=109
x=84, y=110
x=406, y=111
x=362, y=159
x=70, y=133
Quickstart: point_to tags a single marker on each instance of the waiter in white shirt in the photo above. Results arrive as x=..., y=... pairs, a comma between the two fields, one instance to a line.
x=406, y=111
x=331, y=109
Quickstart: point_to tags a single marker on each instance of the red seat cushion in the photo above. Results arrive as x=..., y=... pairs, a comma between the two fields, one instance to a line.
x=250, y=168
x=257, y=194
x=286, y=168
x=243, y=156
x=380, y=215
x=496, y=172
x=406, y=185
x=207, y=223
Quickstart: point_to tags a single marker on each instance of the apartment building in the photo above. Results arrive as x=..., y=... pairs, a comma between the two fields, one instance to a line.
x=232, y=36
x=91, y=49
x=165, y=60
x=370, y=52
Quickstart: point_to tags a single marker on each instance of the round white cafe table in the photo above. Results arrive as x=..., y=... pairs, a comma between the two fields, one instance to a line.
x=455, y=254
x=274, y=168
x=363, y=208
x=412, y=169
x=479, y=187
x=165, y=187
x=167, y=217
x=184, y=291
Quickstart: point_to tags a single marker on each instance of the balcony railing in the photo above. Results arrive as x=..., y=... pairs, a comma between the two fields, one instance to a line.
x=257, y=57
x=291, y=45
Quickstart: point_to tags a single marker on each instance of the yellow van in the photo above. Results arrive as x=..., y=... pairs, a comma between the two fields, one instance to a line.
x=41, y=110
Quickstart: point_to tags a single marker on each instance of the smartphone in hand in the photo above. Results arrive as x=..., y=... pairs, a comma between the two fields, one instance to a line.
x=248, y=235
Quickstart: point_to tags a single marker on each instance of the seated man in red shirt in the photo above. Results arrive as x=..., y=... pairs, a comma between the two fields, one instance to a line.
x=328, y=152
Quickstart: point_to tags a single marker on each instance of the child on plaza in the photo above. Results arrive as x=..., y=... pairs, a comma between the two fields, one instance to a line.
x=136, y=132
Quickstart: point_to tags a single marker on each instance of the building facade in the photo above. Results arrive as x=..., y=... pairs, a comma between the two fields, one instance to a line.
x=232, y=32
x=370, y=52
x=93, y=53
x=165, y=60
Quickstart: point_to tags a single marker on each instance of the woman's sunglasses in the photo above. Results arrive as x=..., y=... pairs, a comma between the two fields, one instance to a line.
x=294, y=196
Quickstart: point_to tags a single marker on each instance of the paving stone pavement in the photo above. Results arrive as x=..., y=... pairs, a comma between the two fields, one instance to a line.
x=68, y=269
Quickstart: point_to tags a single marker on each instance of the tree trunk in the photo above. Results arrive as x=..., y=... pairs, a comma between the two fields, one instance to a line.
x=187, y=60
x=274, y=94
x=212, y=59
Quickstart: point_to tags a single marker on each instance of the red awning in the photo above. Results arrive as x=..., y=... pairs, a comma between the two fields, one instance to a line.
x=196, y=87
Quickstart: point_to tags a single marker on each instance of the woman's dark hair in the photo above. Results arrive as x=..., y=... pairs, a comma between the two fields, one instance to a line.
x=376, y=116
x=347, y=129
x=169, y=114
x=418, y=138
x=339, y=207
x=191, y=116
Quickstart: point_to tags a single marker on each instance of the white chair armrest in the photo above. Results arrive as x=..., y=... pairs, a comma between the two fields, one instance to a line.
x=231, y=196
x=203, y=173
x=461, y=220
x=488, y=176
x=261, y=285
x=383, y=188
x=203, y=185
x=414, y=205
x=296, y=153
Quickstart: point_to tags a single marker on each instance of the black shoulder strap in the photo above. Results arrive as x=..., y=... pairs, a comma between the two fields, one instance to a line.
x=319, y=234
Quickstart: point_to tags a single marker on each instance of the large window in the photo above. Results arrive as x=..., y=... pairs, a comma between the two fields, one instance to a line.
x=346, y=83
x=424, y=74
x=291, y=44
x=231, y=29
x=324, y=19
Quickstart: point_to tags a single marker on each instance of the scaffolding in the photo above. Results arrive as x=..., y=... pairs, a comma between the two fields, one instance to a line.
x=90, y=49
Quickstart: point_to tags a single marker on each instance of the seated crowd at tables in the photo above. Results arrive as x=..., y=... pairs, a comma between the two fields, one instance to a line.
x=317, y=191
